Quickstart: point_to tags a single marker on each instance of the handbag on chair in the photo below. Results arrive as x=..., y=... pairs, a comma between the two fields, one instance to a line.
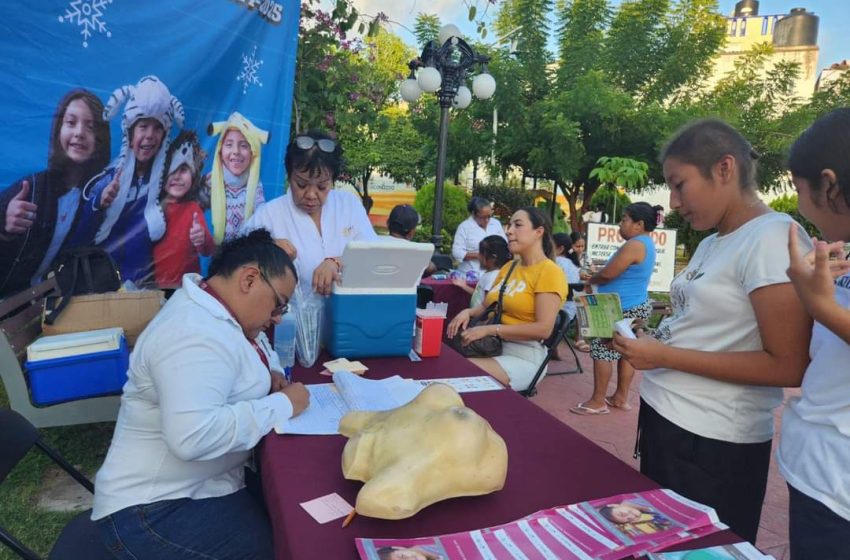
x=490, y=345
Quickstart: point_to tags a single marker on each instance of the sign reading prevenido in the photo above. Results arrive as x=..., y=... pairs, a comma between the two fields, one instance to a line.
x=603, y=240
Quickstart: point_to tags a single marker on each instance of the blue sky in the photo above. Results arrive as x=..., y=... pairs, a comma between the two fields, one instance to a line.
x=833, y=35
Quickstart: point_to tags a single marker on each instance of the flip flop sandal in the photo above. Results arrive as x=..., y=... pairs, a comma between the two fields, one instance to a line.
x=587, y=411
x=610, y=402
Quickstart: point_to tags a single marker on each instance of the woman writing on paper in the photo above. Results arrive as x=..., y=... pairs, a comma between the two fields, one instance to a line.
x=313, y=222
x=737, y=334
x=533, y=295
x=627, y=274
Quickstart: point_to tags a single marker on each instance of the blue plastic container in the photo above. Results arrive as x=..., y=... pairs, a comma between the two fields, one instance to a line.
x=57, y=380
x=371, y=324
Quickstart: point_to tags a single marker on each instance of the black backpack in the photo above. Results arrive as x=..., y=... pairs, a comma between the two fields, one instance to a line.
x=80, y=271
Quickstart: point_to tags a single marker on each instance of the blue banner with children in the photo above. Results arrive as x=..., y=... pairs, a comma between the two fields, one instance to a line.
x=150, y=130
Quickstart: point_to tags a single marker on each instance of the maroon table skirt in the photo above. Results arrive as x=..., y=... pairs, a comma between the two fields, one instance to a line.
x=447, y=292
x=549, y=464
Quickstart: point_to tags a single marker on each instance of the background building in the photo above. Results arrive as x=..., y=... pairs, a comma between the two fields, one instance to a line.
x=794, y=37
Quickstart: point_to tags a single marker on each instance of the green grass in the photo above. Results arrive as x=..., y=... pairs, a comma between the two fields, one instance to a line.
x=83, y=446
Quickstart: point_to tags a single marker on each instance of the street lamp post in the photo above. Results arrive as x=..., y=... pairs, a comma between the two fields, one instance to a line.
x=442, y=69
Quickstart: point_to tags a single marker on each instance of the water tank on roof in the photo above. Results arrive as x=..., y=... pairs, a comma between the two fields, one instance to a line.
x=747, y=8
x=798, y=29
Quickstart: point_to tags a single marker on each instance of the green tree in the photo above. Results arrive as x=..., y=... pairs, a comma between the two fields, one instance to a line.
x=426, y=28
x=372, y=82
x=455, y=200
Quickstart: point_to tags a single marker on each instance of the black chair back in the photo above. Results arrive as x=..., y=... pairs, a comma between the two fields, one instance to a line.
x=80, y=539
x=17, y=437
x=558, y=332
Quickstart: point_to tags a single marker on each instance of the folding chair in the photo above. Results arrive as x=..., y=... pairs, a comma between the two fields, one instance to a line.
x=551, y=343
x=80, y=539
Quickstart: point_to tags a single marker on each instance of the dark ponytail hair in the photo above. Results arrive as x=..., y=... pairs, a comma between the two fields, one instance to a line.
x=563, y=240
x=539, y=219
x=495, y=247
x=824, y=145
x=643, y=212
x=702, y=143
x=256, y=247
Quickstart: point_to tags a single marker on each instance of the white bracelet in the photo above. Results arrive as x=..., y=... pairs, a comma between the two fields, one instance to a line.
x=499, y=331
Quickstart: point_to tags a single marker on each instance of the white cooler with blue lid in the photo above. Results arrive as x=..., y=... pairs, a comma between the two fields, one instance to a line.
x=373, y=311
x=77, y=365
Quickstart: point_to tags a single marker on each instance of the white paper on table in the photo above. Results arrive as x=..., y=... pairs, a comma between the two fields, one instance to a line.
x=329, y=402
x=474, y=384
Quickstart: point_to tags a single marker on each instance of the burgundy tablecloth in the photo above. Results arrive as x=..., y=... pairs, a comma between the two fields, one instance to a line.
x=445, y=291
x=549, y=464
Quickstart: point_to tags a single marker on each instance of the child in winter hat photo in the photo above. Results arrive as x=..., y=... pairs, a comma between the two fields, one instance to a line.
x=233, y=189
x=186, y=232
x=126, y=195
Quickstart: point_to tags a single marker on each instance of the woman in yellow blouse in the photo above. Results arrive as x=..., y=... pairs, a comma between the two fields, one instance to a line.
x=535, y=291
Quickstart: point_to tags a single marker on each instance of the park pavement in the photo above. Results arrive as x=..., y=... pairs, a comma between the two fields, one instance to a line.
x=615, y=433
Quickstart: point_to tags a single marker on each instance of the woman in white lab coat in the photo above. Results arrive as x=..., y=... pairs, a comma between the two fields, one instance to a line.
x=472, y=230
x=313, y=222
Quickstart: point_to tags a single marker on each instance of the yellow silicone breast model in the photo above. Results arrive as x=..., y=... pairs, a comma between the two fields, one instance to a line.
x=431, y=449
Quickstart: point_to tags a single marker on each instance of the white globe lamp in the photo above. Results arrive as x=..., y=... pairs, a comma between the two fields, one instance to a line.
x=410, y=90
x=463, y=98
x=447, y=32
x=429, y=79
x=484, y=86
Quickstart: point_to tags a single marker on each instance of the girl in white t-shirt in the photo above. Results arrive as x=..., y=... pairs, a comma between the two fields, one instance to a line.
x=492, y=255
x=814, y=450
x=738, y=334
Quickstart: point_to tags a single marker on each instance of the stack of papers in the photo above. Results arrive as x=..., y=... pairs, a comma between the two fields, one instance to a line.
x=739, y=551
x=608, y=529
x=329, y=402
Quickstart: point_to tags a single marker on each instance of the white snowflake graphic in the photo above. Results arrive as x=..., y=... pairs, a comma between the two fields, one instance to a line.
x=87, y=14
x=250, y=71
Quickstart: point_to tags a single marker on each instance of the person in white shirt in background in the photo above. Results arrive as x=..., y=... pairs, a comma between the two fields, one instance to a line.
x=738, y=333
x=472, y=230
x=312, y=221
x=593, y=214
x=493, y=254
x=204, y=386
x=563, y=245
x=814, y=448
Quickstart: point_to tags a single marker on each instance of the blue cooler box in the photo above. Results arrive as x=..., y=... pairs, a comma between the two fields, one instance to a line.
x=77, y=365
x=373, y=312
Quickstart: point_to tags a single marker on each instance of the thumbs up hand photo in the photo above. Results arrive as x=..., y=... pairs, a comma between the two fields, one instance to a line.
x=20, y=213
x=196, y=232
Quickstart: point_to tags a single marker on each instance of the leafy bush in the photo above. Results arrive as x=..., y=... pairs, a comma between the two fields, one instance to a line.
x=685, y=235
x=455, y=200
x=559, y=225
x=506, y=199
x=787, y=203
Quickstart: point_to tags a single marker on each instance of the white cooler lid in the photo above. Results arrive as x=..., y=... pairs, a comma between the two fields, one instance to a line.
x=387, y=266
x=75, y=344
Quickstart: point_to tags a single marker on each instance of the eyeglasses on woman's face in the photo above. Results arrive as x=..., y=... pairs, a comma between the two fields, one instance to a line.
x=282, y=304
